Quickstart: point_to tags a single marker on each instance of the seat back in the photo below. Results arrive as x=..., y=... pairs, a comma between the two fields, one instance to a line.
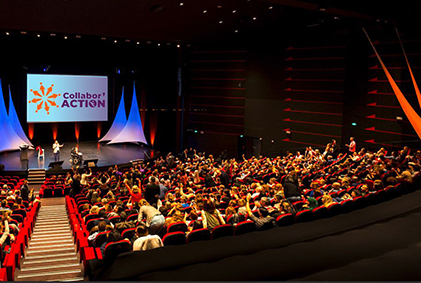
x=285, y=219
x=132, y=217
x=115, y=219
x=112, y=250
x=101, y=238
x=222, y=231
x=303, y=216
x=177, y=226
x=174, y=238
x=91, y=216
x=244, y=227
x=128, y=233
x=199, y=235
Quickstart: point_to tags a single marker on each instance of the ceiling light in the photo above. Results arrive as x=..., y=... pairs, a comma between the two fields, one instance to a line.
x=159, y=44
x=115, y=41
x=205, y=11
x=23, y=32
x=127, y=40
x=221, y=22
x=103, y=38
x=138, y=42
x=322, y=9
x=38, y=35
x=65, y=37
x=219, y=6
x=236, y=30
x=336, y=18
x=270, y=7
x=254, y=18
x=234, y=11
x=148, y=42
x=78, y=36
x=7, y=33
x=178, y=45
x=181, y=4
x=52, y=34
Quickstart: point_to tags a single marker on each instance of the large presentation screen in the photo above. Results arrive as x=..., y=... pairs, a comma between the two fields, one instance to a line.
x=66, y=98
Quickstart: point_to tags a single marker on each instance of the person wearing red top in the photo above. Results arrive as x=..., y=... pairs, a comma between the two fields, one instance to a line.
x=135, y=194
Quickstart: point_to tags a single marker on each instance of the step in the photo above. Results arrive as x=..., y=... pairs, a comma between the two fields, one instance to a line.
x=46, y=235
x=49, y=256
x=58, y=230
x=45, y=222
x=68, y=280
x=49, y=267
x=51, y=251
x=44, y=261
x=50, y=275
x=49, y=219
x=54, y=228
x=46, y=241
x=49, y=246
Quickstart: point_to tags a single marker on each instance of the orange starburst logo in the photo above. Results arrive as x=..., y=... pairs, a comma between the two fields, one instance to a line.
x=44, y=100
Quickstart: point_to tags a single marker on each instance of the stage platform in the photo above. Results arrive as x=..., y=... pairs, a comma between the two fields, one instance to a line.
x=107, y=155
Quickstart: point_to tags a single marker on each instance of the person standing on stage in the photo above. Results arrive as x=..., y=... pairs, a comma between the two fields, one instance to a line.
x=56, y=150
x=352, y=146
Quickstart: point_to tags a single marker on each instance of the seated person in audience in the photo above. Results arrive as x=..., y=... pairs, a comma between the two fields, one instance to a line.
x=355, y=193
x=85, y=209
x=232, y=216
x=310, y=203
x=145, y=241
x=211, y=217
x=264, y=217
x=165, y=209
x=101, y=227
x=113, y=236
x=6, y=235
x=176, y=216
x=378, y=185
x=194, y=223
x=94, y=209
x=364, y=190
x=327, y=200
x=95, y=198
x=242, y=207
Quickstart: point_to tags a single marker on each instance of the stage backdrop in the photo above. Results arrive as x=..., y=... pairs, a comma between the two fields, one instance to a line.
x=66, y=98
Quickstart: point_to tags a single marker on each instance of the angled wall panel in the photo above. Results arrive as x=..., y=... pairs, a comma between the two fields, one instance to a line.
x=14, y=121
x=10, y=140
x=120, y=121
x=133, y=131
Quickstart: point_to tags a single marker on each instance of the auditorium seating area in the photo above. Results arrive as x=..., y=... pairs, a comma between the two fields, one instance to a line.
x=359, y=174
x=21, y=224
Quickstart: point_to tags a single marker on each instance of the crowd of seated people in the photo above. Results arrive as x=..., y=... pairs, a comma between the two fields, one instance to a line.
x=203, y=193
x=16, y=204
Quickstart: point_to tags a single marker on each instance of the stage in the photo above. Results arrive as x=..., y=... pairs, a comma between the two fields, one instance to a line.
x=107, y=155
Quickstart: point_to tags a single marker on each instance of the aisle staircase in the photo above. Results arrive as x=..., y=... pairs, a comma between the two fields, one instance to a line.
x=51, y=254
x=36, y=176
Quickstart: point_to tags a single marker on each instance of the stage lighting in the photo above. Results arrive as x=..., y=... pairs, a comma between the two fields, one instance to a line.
x=354, y=124
x=195, y=131
x=205, y=11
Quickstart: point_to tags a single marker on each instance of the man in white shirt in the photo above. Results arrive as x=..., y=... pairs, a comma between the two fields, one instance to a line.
x=352, y=145
x=145, y=241
x=56, y=150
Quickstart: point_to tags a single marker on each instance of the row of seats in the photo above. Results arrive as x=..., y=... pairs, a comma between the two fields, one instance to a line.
x=12, y=260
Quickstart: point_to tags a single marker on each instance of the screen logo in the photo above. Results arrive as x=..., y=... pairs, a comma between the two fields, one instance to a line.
x=44, y=100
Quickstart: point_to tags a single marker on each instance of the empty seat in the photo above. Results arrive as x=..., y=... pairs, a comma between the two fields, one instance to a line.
x=303, y=216
x=244, y=227
x=222, y=231
x=199, y=235
x=174, y=238
x=112, y=250
x=177, y=226
x=285, y=219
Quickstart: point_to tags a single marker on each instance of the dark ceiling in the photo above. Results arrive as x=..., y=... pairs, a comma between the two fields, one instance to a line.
x=192, y=20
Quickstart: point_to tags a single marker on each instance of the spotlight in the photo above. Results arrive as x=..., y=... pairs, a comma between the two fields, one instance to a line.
x=236, y=31
x=272, y=141
x=260, y=138
x=38, y=35
x=138, y=42
x=65, y=37
x=235, y=11
x=115, y=41
x=270, y=7
x=254, y=18
x=159, y=44
x=178, y=45
x=219, y=6
x=7, y=33
x=181, y=4
x=205, y=11
x=221, y=22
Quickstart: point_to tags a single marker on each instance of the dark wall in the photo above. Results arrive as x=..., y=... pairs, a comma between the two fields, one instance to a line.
x=153, y=68
x=319, y=84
